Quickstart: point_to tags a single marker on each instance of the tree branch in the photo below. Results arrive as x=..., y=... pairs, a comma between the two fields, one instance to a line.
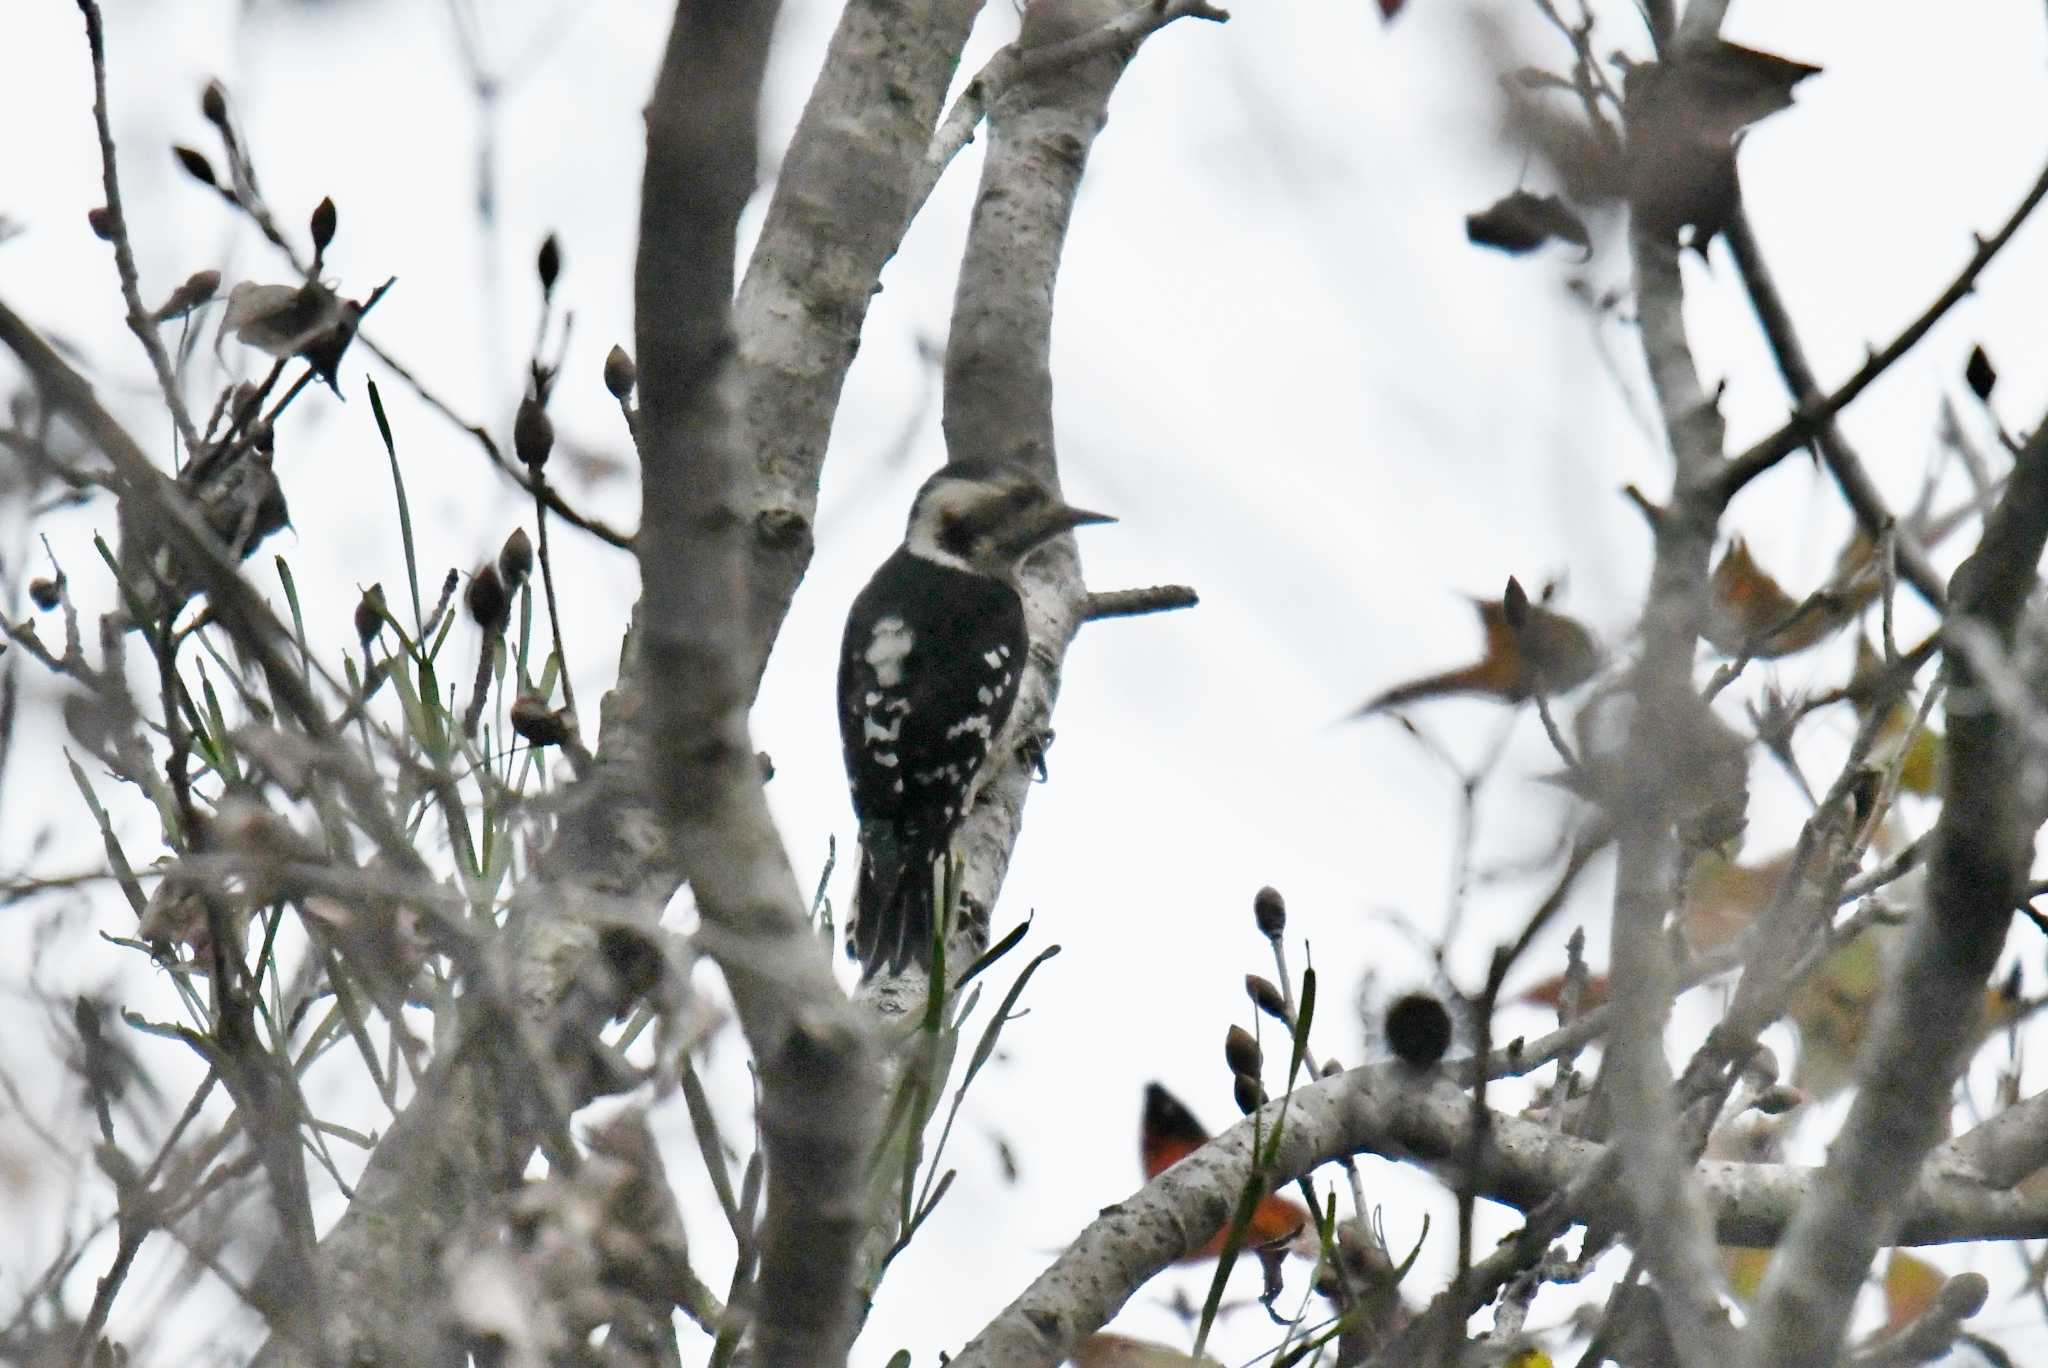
x=1835, y=452
x=1160, y=598
x=820, y=1104
x=998, y=394
x=1925, y=1026
x=1667, y=1222
x=1803, y=424
x=838, y=212
x=1387, y=1110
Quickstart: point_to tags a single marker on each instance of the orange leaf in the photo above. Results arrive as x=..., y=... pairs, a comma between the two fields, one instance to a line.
x=1168, y=1133
x=1911, y=1286
x=1530, y=650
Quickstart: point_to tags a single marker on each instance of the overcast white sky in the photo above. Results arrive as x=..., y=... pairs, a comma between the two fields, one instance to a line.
x=1277, y=360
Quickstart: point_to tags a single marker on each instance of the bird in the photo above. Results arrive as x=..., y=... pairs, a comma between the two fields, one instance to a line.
x=929, y=668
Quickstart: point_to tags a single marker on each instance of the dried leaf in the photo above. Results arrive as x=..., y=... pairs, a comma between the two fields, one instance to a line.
x=1911, y=1287
x=1532, y=651
x=1168, y=1133
x=1102, y=1350
x=1683, y=118
x=1522, y=222
x=1979, y=374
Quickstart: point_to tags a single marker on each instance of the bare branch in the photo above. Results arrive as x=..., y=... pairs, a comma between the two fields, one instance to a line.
x=820, y=1105
x=1668, y=1223
x=1019, y=61
x=1806, y=422
x=1835, y=452
x=1388, y=1110
x=139, y=320
x=1160, y=598
x=1925, y=1027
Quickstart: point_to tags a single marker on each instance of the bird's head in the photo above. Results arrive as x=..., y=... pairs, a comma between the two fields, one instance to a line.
x=987, y=517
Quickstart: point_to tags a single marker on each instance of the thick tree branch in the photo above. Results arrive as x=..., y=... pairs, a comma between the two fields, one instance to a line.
x=1387, y=1110
x=842, y=203
x=1025, y=58
x=820, y=1103
x=1925, y=1026
x=1667, y=1223
x=998, y=395
x=839, y=210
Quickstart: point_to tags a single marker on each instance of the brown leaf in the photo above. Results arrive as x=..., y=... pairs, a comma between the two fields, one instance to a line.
x=1102, y=1350
x=1522, y=222
x=1530, y=650
x=1684, y=116
x=1750, y=613
x=1911, y=1287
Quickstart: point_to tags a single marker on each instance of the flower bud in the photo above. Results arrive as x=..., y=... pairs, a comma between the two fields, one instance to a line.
x=532, y=720
x=46, y=594
x=1269, y=910
x=515, y=558
x=620, y=374
x=549, y=264
x=196, y=165
x=1242, y=1053
x=213, y=103
x=101, y=221
x=322, y=226
x=487, y=601
x=533, y=434
x=1249, y=1092
x=1265, y=996
x=370, y=615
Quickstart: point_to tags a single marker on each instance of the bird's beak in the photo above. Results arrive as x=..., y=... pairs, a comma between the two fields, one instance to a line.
x=1063, y=518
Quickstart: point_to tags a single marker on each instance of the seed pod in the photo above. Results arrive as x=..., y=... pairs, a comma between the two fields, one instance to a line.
x=1249, y=1092
x=549, y=263
x=1242, y=1053
x=213, y=103
x=487, y=600
x=620, y=374
x=1269, y=910
x=1265, y=996
x=322, y=226
x=515, y=559
x=46, y=594
x=533, y=434
x=532, y=719
x=370, y=615
x=196, y=165
x=1418, y=1030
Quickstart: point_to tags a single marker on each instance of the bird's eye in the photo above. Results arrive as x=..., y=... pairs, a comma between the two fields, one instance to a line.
x=955, y=534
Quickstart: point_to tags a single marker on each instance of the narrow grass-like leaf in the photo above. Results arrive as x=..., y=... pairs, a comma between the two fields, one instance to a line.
x=710, y=1147
x=412, y=564
x=291, y=598
x=116, y=860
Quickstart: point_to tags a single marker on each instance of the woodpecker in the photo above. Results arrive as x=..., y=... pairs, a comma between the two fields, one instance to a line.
x=934, y=651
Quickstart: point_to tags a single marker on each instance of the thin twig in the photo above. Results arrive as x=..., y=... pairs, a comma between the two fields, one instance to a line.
x=1160, y=598
x=117, y=233
x=1804, y=424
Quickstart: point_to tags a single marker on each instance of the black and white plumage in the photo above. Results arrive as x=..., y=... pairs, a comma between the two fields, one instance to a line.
x=929, y=668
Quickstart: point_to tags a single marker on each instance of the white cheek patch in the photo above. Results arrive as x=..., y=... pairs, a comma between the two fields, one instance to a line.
x=887, y=649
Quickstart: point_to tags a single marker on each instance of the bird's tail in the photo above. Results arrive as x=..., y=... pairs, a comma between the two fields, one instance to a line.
x=891, y=926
